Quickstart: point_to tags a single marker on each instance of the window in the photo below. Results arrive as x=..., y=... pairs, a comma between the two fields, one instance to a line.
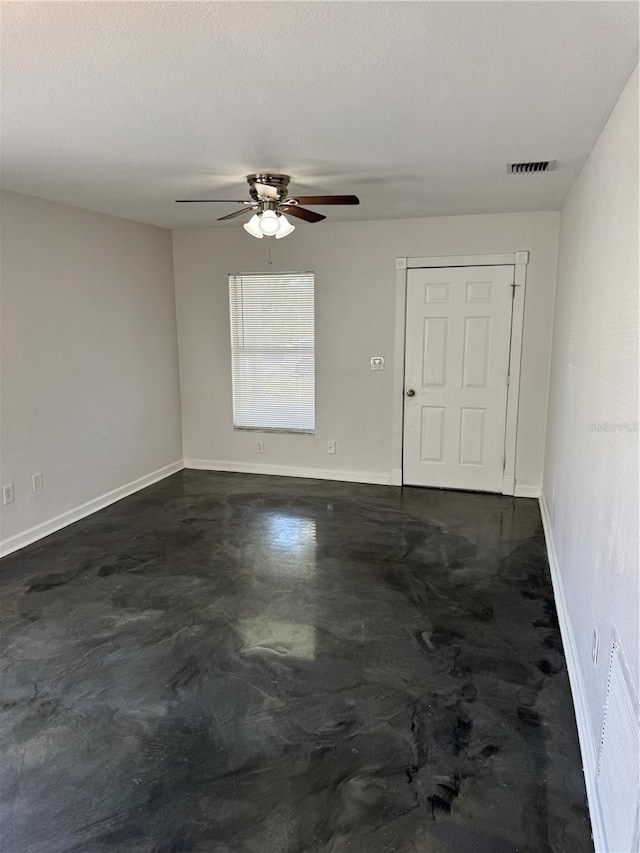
x=273, y=351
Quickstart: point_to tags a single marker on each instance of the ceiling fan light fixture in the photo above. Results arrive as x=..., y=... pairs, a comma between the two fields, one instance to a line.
x=269, y=198
x=286, y=227
x=253, y=227
x=268, y=223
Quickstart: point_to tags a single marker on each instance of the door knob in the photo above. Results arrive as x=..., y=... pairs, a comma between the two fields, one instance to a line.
x=411, y=393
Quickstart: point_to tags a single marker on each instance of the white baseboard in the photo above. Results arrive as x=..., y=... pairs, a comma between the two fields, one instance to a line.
x=583, y=723
x=32, y=534
x=527, y=491
x=375, y=478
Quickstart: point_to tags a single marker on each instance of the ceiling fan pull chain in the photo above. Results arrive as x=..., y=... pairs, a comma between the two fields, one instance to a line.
x=269, y=261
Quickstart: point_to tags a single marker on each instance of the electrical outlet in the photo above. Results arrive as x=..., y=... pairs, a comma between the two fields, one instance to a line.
x=259, y=446
x=377, y=362
x=37, y=483
x=8, y=494
x=331, y=446
x=595, y=645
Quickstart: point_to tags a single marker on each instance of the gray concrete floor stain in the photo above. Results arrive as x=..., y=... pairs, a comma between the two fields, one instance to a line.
x=230, y=663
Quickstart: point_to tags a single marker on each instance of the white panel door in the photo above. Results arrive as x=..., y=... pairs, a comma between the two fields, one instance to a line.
x=458, y=332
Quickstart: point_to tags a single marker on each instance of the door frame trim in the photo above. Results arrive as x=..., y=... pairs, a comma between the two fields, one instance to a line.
x=518, y=260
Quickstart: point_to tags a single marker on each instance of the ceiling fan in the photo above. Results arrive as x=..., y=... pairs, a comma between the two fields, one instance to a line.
x=270, y=201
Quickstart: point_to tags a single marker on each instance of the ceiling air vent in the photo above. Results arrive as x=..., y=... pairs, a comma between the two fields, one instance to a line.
x=530, y=168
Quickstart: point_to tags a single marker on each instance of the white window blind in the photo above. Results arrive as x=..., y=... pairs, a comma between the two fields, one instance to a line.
x=273, y=351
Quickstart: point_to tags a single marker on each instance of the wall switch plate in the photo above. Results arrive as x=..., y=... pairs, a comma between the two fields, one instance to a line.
x=595, y=644
x=37, y=483
x=377, y=362
x=259, y=446
x=331, y=446
x=8, y=494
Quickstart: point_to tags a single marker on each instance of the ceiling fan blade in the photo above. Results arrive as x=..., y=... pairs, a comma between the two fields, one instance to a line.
x=301, y=212
x=327, y=199
x=235, y=213
x=211, y=200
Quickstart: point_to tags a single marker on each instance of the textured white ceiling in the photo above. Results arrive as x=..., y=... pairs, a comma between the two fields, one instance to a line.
x=414, y=106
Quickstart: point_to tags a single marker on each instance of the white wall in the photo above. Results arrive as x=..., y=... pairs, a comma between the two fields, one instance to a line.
x=90, y=394
x=354, y=265
x=591, y=476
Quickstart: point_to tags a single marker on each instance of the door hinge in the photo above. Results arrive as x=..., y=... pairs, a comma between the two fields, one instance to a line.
x=508, y=379
x=504, y=461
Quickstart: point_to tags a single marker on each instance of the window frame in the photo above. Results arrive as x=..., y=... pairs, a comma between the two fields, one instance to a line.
x=233, y=347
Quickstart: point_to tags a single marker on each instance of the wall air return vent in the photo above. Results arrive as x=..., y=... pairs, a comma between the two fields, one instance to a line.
x=531, y=168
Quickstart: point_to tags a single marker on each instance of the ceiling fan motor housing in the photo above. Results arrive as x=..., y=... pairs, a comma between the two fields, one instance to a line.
x=272, y=180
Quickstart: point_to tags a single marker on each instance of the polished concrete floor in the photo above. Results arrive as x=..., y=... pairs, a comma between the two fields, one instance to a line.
x=227, y=663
